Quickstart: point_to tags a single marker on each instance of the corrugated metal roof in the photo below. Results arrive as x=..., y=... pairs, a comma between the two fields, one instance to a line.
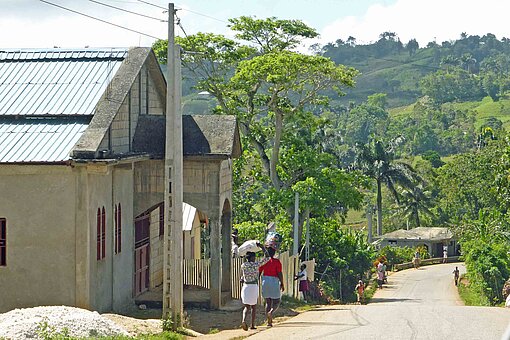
x=39, y=140
x=55, y=82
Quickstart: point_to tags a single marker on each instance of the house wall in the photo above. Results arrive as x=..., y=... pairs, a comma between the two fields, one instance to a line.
x=123, y=262
x=149, y=185
x=38, y=203
x=140, y=100
x=156, y=251
x=111, y=278
x=191, y=240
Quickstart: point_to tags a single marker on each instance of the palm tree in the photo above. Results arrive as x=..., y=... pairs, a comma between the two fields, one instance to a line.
x=415, y=201
x=377, y=161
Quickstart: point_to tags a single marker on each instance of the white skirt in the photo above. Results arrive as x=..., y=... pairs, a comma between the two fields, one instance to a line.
x=249, y=294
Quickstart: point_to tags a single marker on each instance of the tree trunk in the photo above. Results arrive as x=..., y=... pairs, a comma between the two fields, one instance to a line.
x=379, y=208
x=276, y=150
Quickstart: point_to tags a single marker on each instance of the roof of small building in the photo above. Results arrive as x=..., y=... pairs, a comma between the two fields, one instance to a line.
x=420, y=233
x=202, y=135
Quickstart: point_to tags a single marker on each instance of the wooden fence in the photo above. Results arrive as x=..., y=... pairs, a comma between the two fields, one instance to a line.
x=196, y=273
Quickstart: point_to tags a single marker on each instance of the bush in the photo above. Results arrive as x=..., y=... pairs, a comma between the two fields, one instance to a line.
x=488, y=267
x=396, y=255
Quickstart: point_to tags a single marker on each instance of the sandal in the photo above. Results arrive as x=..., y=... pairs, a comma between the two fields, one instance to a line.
x=244, y=325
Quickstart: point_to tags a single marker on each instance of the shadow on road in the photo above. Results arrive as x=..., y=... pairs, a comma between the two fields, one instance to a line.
x=381, y=300
x=312, y=324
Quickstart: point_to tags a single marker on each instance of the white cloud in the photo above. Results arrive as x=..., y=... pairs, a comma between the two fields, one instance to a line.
x=425, y=21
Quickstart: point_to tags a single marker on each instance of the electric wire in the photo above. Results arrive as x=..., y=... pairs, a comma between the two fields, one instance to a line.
x=151, y=4
x=128, y=11
x=204, y=15
x=101, y=20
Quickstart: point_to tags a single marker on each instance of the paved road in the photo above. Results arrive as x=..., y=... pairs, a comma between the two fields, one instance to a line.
x=416, y=304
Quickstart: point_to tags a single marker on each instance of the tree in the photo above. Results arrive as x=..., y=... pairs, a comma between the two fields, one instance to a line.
x=412, y=46
x=377, y=161
x=266, y=85
x=414, y=202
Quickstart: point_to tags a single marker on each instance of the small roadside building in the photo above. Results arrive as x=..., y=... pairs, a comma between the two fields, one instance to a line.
x=434, y=239
x=82, y=136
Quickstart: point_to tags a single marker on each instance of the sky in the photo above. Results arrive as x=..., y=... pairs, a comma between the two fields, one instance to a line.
x=35, y=24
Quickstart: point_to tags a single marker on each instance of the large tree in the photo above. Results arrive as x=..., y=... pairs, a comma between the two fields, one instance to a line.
x=264, y=82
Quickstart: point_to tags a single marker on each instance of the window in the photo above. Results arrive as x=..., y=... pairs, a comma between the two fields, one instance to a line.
x=118, y=228
x=3, y=242
x=98, y=230
x=101, y=234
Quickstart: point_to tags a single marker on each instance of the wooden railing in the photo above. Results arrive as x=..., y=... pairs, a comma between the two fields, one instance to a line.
x=425, y=262
x=290, y=267
x=196, y=272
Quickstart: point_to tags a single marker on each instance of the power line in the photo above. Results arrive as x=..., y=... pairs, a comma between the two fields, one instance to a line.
x=125, y=10
x=204, y=15
x=104, y=21
x=151, y=4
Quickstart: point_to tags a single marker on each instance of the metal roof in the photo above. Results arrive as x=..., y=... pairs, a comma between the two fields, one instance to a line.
x=39, y=140
x=55, y=81
x=420, y=233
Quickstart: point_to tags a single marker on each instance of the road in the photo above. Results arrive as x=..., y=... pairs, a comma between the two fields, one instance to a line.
x=415, y=304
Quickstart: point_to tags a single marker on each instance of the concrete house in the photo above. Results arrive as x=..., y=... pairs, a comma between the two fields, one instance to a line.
x=82, y=178
x=434, y=239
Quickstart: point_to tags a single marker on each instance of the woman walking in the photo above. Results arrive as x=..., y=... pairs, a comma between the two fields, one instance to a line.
x=272, y=284
x=250, y=290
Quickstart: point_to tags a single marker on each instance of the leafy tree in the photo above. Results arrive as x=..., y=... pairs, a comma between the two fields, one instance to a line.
x=468, y=183
x=434, y=158
x=377, y=161
x=412, y=46
x=272, y=87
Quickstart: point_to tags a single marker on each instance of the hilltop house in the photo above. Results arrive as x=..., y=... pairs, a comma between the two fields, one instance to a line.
x=82, y=178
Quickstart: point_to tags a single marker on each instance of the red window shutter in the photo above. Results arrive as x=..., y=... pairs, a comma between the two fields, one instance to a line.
x=98, y=241
x=119, y=228
x=3, y=242
x=103, y=233
x=116, y=230
x=161, y=219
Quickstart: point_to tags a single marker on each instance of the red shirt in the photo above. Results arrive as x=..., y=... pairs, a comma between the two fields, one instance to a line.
x=271, y=268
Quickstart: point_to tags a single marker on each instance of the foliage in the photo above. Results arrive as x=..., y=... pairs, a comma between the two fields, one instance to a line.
x=468, y=183
x=377, y=161
x=488, y=267
x=336, y=249
x=48, y=332
x=471, y=293
x=396, y=255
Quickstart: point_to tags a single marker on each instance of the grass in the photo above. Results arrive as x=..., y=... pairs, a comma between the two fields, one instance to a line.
x=370, y=290
x=213, y=331
x=470, y=295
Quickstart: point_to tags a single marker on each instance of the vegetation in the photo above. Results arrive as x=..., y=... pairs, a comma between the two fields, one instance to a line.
x=420, y=128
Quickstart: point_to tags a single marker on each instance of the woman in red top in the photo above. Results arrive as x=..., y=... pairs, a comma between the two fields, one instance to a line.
x=272, y=284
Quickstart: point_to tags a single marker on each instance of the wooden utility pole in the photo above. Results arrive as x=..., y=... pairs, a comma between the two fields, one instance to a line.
x=295, y=249
x=172, y=252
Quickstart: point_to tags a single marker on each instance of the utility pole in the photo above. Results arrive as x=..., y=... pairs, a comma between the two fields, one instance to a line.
x=295, y=249
x=172, y=252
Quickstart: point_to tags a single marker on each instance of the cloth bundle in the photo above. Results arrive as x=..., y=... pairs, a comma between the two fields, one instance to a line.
x=273, y=240
x=250, y=245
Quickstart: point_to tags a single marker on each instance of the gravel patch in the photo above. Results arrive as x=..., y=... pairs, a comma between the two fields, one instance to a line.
x=27, y=323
